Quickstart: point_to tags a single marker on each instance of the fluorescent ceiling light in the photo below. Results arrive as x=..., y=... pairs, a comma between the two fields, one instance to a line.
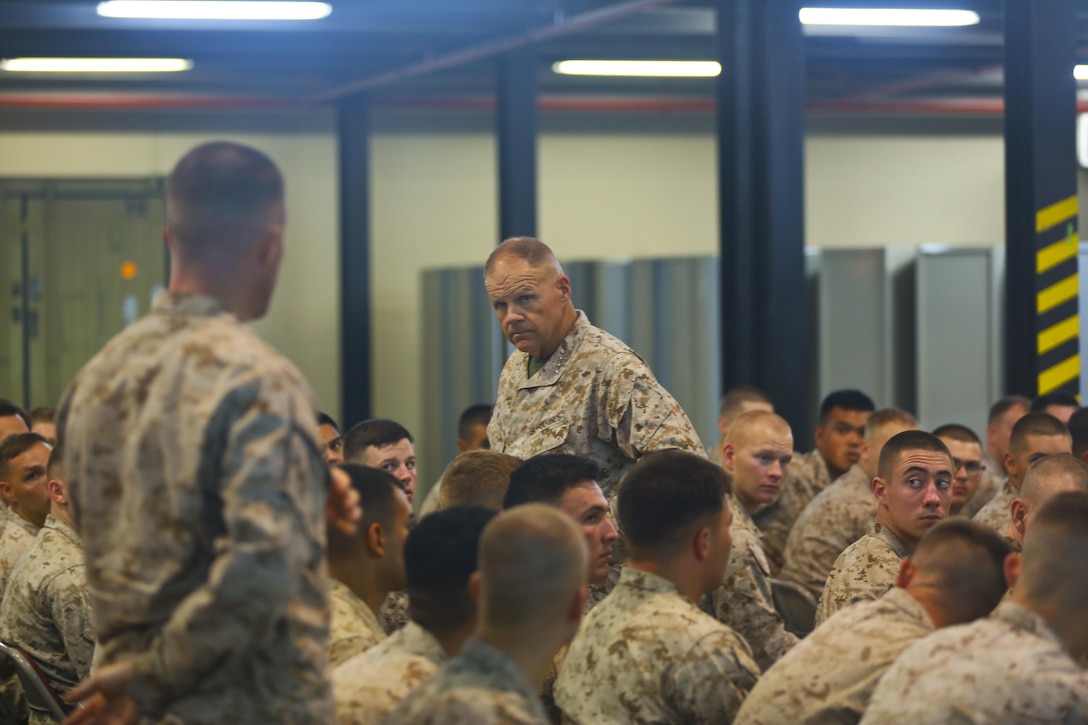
x=888, y=16
x=1081, y=72
x=95, y=65
x=641, y=68
x=213, y=10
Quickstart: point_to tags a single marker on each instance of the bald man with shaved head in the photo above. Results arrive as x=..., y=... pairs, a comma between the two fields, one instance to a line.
x=530, y=589
x=1045, y=479
x=757, y=452
x=571, y=387
x=1018, y=666
x=956, y=575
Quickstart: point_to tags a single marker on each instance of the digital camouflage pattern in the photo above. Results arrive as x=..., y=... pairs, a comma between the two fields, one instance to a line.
x=744, y=601
x=830, y=676
x=368, y=686
x=867, y=569
x=595, y=397
x=996, y=513
x=197, y=480
x=394, y=612
x=353, y=627
x=807, y=477
x=481, y=686
x=45, y=610
x=18, y=533
x=1007, y=669
x=836, y=518
x=646, y=654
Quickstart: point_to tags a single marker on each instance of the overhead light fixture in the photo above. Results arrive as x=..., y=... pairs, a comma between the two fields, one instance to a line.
x=95, y=65
x=640, y=68
x=903, y=17
x=213, y=10
x=1080, y=72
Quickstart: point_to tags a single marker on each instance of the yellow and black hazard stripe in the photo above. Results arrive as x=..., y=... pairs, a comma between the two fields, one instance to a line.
x=1056, y=288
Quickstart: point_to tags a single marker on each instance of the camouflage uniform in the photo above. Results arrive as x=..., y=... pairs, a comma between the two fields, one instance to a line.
x=45, y=611
x=368, y=686
x=1010, y=668
x=353, y=627
x=867, y=569
x=829, y=677
x=990, y=483
x=18, y=534
x=808, y=476
x=199, y=487
x=595, y=397
x=481, y=686
x=744, y=600
x=996, y=513
x=430, y=502
x=647, y=654
x=836, y=518
x=394, y=612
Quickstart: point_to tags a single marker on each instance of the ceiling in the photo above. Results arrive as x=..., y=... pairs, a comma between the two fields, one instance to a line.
x=410, y=52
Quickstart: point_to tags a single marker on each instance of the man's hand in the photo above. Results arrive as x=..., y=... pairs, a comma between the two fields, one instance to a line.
x=342, y=509
x=103, y=698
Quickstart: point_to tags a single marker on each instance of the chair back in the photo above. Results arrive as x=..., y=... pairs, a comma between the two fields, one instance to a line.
x=40, y=695
x=796, y=605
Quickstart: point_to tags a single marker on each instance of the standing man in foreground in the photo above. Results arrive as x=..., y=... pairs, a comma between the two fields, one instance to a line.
x=571, y=387
x=197, y=478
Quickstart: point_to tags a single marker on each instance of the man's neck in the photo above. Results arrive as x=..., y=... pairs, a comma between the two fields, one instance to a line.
x=884, y=520
x=531, y=651
x=453, y=640
x=1071, y=627
x=63, y=514
x=361, y=581
x=687, y=579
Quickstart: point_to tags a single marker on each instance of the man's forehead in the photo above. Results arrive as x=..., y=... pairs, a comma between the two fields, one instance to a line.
x=854, y=417
x=508, y=271
x=763, y=433
x=961, y=448
x=391, y=450
x=1047, y=444
x=924, y=459
x=37, y=454
x=584, y=494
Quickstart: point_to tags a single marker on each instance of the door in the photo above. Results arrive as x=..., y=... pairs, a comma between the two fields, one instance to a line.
x=79, y=260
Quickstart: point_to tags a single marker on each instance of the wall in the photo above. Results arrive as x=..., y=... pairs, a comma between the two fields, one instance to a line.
x=634, y=193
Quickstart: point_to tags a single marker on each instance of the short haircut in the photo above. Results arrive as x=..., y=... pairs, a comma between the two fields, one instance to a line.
x=887, y=416
x=1051, y=472
x=1035, y=424
x=377, y=497
x=533, y=560
x=376, y=432
x=1043, y=402
x=1078, y=431
x=957, y=432
x=908, y=440
x=9, y=408
x=965, y=561
x=741, y=431
x=43, y=415
x=735, y=398
x=1054, y=568
x=55, y=468
x=477, y=478
x=439, y=557
x=479, y=414
x=326, y=419
x=847, y=400
x=530, y=249
x=15, y=446
x=546, y=477
x=664, y=497
x=221, y=195
x=1004, y=405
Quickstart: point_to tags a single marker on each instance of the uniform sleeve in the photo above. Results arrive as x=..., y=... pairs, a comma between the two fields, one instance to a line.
x=72, y=618
x=269, y=480
x=744, y=602
x=641, y=414
x=710, y=683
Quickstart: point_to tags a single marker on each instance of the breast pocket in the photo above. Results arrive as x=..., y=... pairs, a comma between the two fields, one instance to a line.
x=549, y=435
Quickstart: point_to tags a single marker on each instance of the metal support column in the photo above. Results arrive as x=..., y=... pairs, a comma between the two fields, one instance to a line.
x=1042, y=343
x=516, y=122
x=355, y=327
x=761, y=129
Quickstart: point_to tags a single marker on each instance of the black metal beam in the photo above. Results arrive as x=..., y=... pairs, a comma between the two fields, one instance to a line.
x=760, y=128
x=1041, y=344
x=516, y=124
x=356, y=371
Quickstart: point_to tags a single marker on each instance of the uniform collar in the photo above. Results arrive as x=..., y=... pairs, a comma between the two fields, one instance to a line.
x=58, y=525
x=889, y=538
x=1020, y=617
x=559, y=360
x=178, y=303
